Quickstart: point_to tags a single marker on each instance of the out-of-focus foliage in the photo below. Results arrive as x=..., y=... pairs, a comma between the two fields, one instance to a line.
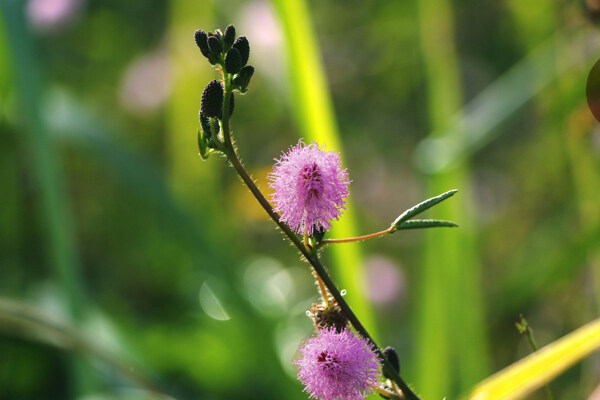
x=127, y=244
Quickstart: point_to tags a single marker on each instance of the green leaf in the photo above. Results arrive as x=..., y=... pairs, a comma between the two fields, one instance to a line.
x=425, y=223
x=530, y=373
x=419, y=208
x=204, y=149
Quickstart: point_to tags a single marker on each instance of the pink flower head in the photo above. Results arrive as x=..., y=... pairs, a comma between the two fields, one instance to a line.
x=310, y=186
x=338, y=365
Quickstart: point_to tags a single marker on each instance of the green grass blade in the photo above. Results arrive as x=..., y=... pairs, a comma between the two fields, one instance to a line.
x=473, y=127
x=53, y=200
x=315, y=117
x=451, y=351
x=532, y=372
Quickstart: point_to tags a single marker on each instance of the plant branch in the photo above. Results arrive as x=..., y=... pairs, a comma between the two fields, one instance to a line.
x=311, y=257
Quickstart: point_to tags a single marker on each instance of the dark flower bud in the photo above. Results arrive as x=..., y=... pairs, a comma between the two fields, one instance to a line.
x=328, y=316
x=215, y=46
x=212, y=99
x=205, y=124
x=390, y=354
x=243, y=78
x=242, y=45
x=229, y=36
x=233, y=61
x=201, y=38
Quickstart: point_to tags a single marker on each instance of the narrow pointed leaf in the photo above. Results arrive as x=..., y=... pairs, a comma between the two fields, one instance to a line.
x=425, y=223
x=530, y=373
x=419, y=208
x=203, y=148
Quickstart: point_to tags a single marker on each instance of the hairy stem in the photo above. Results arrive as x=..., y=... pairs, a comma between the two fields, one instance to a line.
x=311, y=257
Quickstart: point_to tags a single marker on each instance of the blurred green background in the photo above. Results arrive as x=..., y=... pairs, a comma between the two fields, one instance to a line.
x=129, y=267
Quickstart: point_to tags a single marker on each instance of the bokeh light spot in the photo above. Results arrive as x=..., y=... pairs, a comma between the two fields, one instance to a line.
x=211, y=304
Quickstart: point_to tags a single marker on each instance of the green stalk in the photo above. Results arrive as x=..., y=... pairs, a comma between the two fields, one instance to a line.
x=451, y=351
x=53, y=201
x=316, y=120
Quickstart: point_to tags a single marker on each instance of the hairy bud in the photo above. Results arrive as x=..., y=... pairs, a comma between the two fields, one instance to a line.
x=233, y=61
x=242, y=45
x=212, y=99
x=215, y=46
x=390, y=354
x=201, y=39
x=229, y=36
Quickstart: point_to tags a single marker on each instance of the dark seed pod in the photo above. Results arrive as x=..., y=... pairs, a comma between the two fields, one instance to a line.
x=215, y=46
x=390, y=354
x=212, y=100
x=229, y=36
x=233, y=61
x=330, y=316
x=242, y=45
x=201, y=38
x=205, y=124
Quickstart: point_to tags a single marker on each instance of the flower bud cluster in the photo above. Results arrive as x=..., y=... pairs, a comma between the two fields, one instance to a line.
x=230, y=55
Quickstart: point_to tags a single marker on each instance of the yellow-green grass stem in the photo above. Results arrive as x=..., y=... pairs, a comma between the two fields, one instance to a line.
x=530, y=373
